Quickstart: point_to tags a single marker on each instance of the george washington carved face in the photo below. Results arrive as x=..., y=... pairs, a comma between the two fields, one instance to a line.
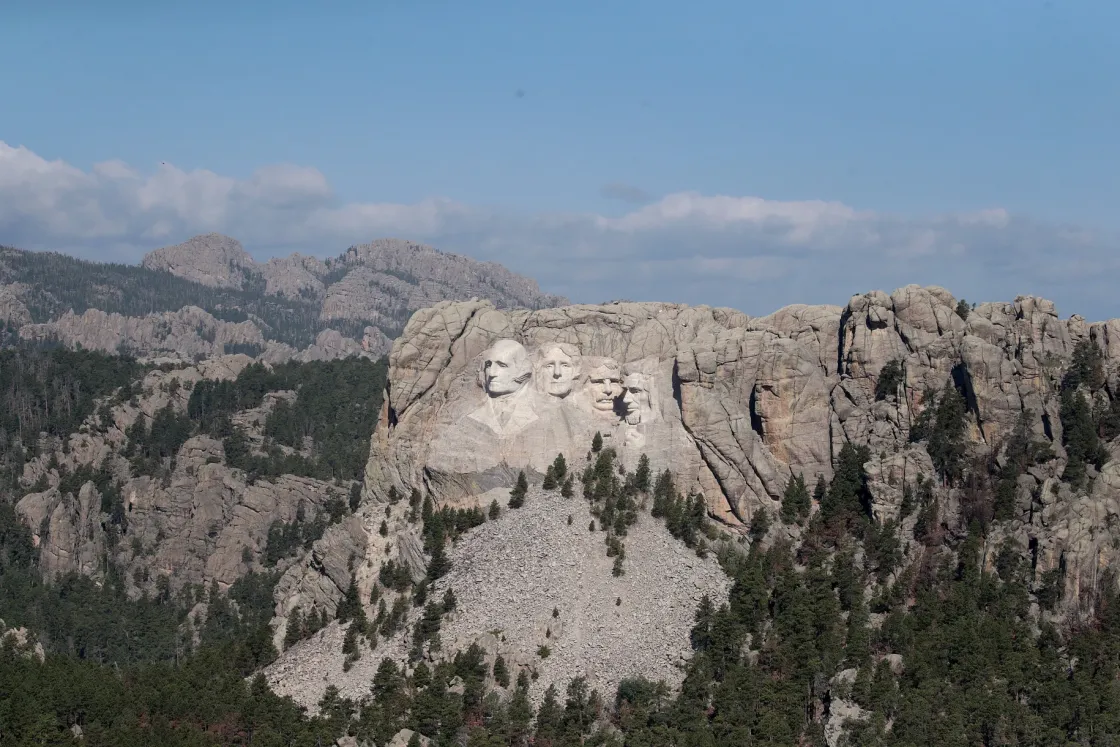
x=558, y=367
x=505, y=368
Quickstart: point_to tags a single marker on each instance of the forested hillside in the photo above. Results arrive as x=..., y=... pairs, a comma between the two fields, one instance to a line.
x=364, y=296
x=953, y=657
x=56, y=283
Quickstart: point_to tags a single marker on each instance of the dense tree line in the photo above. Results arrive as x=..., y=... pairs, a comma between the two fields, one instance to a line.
x=52, y=391
x=336, y=408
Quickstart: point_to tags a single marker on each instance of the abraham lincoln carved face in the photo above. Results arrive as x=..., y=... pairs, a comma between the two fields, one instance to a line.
x=636, y=398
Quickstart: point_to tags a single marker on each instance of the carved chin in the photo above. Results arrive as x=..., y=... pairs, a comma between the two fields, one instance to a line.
x=499, y=390
x=559, y=388
x=633, y=418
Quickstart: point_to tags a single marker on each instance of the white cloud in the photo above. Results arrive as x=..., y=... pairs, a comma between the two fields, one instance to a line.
x=743, y=251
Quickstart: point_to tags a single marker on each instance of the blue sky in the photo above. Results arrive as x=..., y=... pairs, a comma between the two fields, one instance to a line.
x=291, y=128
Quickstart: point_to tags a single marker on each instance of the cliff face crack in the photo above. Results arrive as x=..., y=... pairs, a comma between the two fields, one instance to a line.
x=707, y=451
x=756, y=416
x=449, y=353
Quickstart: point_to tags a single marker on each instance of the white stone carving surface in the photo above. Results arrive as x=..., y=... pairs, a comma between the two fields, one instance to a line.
x=477, y=394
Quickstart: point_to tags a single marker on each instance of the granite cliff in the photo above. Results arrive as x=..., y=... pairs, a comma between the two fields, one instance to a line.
x=736, y=408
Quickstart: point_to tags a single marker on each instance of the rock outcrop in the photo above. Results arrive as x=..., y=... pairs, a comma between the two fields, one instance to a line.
x=13, y=311
x=187, y=334
x=211, y=259
x=23, y=642
x=202, y=523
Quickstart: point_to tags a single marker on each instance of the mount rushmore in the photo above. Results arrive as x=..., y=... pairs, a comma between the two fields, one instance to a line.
x=503, y=405
x=536, y=404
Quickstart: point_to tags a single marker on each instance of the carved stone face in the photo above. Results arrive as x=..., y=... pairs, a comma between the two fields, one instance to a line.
x=557, y=371
x=635, y=397
x=505, y=368
x=604, y=384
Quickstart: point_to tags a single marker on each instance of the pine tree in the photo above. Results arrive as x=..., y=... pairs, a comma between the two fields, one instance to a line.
x=820, y=491
x=350, y=648
x=701, y=634
x=550, y=719
x=567, y=490
x=597, y=442
x=848, y=497
x=517, y=495
x=439, y=564
x=520, y=712
x=760, y=524
x=796, y=501
x=560, y=467
x=294, y=632
x=664, y=493
x=501, y=673
x=495, y=510
x=351, y=605
x=549, y=478
x=946, y=445
x=891, y=377
x=642, y=474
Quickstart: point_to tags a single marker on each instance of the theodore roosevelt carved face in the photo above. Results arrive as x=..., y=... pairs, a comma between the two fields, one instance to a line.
x=604, y=384
x=558, y=367
x=505, y=368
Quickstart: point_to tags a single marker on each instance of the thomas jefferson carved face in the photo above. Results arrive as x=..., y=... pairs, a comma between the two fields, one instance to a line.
x=558, y=370
x=635, y=397
x=604, y=384
x=505, y=368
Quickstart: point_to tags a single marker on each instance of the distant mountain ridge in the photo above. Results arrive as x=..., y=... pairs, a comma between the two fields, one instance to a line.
x=208, y=296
